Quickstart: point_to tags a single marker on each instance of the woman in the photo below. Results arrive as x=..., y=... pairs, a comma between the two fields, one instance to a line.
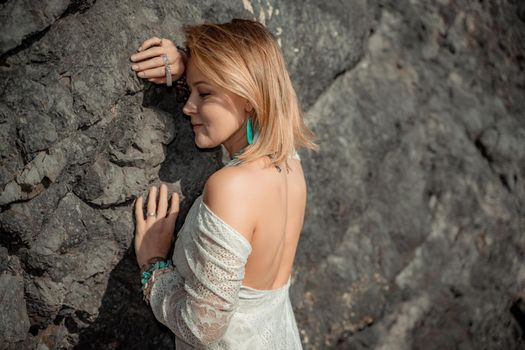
x=227, y=287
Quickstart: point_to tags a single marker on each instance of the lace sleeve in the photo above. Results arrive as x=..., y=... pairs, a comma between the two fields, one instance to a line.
x=199, y=310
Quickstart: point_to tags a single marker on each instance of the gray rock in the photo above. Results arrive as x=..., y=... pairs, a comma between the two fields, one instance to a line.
x=14, y=323
x=415, y=225
x=11, y=161
x=20, y=19
x=36, y=133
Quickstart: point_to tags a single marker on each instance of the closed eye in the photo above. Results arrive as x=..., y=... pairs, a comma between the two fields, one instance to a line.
x=203, y=94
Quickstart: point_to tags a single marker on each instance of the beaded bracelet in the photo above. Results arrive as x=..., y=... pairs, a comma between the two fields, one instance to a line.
x=149, y=275
x=150, y=262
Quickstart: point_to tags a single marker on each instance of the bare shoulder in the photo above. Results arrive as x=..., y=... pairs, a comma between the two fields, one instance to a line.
x=229, y=194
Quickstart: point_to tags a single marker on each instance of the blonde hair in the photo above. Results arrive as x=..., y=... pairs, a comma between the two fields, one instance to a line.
x=243, y=57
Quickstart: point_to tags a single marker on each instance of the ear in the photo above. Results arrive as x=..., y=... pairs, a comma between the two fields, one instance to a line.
x=248, y=107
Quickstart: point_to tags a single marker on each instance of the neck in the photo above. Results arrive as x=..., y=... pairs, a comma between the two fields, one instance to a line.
x=234, y=147
x=237, y=141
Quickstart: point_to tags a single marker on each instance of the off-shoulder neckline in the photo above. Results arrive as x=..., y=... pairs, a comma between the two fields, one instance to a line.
x=212, y=213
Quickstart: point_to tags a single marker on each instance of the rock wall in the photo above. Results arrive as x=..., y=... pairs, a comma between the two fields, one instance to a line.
x=414, y=234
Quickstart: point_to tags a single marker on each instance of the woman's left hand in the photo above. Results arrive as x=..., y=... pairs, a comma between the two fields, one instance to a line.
x=149, y=64
x=154, y=235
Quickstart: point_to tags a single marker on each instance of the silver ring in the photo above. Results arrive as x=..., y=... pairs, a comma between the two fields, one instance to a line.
x=167, y=68
x=152, y=214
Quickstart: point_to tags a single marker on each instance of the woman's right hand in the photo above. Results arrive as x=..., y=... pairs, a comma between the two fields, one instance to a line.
x=149, y=64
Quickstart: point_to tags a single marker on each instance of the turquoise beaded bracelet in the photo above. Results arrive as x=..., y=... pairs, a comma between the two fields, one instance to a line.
x=146, y=275
x=150, y=275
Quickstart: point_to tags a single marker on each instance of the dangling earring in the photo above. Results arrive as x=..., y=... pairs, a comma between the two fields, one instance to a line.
x=249, y=132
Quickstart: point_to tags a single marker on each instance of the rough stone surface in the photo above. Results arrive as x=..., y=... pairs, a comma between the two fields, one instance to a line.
x=414, y=234
x=14, y=322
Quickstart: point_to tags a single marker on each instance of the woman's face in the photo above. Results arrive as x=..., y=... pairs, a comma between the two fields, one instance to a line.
x=218, y=116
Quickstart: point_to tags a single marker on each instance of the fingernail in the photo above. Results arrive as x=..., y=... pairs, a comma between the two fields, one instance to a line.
x=134, y=67
x=141, y=74
x=140, y=48
x=133, y=57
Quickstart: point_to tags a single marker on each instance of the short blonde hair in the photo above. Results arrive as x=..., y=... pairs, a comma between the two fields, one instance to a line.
x=243, y=57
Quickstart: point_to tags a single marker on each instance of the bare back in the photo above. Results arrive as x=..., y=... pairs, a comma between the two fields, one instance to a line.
x=278, y=226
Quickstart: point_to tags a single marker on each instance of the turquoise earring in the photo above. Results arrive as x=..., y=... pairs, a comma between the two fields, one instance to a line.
x=249, y=132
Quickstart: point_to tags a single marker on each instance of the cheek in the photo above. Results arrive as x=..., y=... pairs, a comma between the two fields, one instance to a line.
x=218, y=121
x=214, y=116
x=209, y=113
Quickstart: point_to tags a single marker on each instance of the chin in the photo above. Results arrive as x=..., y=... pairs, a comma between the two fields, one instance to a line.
x=205, y=143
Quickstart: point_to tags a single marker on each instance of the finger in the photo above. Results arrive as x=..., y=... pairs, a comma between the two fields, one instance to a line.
x=173, y=213
x=152, y=203
x=157, y=80
x=149, y=42
x=163, y=201
x=151, y=52
x=160, y=72
x=166, y=41
x=153, y=73
x=151, y=63
x=139, y=215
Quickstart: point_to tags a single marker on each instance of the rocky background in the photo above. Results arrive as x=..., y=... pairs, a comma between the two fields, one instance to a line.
x=415, y=229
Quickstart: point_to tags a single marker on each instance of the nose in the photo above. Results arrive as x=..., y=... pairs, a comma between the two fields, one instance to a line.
x=189, y=107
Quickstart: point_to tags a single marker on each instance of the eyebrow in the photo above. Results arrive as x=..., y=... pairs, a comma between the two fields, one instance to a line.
x=198, y=82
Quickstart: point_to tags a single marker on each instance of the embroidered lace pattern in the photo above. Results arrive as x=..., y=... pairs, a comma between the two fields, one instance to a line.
x=203, y=300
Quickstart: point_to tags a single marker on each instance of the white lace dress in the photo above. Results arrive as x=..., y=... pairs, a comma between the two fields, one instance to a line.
x=203, y=300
